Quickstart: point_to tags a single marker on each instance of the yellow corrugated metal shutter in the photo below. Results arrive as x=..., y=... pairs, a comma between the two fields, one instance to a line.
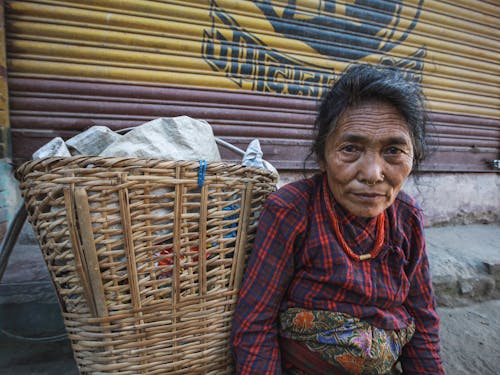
x=250, y=68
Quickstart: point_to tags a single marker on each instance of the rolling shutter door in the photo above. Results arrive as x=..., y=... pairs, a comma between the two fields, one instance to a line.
x=252, y=69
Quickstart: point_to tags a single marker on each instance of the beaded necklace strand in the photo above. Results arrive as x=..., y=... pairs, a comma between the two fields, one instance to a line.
x=379, y=236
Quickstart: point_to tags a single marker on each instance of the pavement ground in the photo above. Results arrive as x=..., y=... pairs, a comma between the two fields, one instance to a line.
x=465, y=265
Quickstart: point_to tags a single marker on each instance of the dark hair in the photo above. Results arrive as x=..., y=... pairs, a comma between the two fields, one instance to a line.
x=362, y=82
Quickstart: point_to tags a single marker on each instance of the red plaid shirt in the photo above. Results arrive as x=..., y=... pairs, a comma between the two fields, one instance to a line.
x=298, y=262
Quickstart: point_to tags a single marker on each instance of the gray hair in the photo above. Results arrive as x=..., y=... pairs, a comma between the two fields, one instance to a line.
x=363, y=82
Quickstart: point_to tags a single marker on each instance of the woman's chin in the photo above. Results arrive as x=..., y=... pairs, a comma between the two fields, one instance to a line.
x=366, y=210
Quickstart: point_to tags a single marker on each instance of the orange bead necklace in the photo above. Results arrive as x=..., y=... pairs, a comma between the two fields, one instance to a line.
x=379, y=236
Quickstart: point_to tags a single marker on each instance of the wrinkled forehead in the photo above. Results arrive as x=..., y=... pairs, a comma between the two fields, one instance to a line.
x=370, y=118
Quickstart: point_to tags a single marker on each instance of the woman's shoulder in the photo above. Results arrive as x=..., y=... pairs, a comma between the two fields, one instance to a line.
x=297, y=194
x=407, y=201
x=407, y=208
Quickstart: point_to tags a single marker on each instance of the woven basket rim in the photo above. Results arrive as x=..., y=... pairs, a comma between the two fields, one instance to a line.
x=84, y=161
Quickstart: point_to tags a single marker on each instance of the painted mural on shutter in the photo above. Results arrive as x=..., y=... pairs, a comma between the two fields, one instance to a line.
x=252, y=69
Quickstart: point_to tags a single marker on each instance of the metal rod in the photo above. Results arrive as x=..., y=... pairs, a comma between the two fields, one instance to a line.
x=10, y=238
x=229, y=146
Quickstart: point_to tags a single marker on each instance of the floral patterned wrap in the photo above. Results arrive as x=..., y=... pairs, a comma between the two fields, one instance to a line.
x=352, y=345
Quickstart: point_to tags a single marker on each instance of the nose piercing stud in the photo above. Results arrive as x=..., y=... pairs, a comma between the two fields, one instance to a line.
x=372, y=183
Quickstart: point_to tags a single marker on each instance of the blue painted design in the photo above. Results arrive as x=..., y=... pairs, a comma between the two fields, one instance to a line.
x=346, y=32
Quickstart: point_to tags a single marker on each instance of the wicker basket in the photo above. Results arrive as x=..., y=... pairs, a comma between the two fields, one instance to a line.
x=146, y=263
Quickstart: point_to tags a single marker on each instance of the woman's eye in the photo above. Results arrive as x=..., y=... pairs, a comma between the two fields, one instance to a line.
x=393, y=151
x=350, y=148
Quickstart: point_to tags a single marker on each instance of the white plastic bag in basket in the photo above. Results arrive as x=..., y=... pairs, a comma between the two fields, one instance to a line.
x=175, y=138
x=55, y=147
x=92, y=141
x=253, y=158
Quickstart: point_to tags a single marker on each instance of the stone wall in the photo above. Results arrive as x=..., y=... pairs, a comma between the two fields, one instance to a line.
x=453, y=198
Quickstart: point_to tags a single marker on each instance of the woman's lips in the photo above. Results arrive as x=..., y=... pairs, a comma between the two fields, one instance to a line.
x=369, y=196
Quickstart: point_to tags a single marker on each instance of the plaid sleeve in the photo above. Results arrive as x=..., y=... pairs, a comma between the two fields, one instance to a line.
x=421, y=355
x=269, y=272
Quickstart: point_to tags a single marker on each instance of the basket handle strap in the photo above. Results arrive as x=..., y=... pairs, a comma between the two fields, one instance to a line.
x=202, y=171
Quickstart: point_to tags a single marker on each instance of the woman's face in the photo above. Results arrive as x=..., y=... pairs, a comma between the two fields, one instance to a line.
x=368, y=157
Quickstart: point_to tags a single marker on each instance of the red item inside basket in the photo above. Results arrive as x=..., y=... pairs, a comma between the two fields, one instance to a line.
x=168, y=261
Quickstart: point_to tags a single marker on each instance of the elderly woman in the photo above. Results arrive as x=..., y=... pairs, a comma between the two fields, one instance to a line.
x=338, y=280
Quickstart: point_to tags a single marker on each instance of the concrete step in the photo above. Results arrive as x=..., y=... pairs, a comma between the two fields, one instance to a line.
x=465, y=263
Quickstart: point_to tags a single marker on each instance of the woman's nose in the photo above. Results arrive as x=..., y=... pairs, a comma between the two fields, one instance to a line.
x=371, y=169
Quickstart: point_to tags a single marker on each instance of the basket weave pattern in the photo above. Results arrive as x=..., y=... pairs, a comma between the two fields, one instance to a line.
x=146, y=264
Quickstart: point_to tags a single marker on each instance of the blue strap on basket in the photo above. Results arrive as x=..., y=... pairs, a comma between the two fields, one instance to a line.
x=202, y=171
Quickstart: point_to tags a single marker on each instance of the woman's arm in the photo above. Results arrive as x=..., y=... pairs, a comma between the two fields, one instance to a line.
x=421, y=355
x=269, y=272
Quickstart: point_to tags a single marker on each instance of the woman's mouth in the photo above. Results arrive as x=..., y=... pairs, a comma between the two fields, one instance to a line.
x=369, y=196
